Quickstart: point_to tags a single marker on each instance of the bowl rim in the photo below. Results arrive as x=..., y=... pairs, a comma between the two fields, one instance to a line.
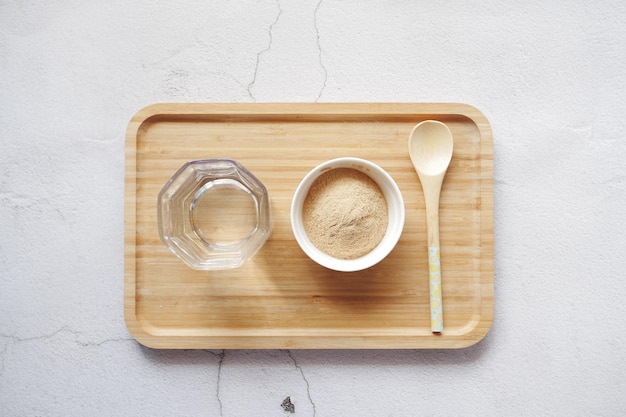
x=395, y=208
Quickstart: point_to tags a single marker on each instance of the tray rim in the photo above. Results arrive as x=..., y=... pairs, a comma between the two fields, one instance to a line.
x=386, y=341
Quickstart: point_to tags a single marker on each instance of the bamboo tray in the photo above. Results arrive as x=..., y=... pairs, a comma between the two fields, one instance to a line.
x=281, y=299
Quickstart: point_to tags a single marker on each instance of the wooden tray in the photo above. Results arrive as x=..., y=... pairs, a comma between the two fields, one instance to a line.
x=281, y=299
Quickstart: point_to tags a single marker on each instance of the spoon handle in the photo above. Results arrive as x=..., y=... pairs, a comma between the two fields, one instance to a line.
x=434, y=284
x=434, y=259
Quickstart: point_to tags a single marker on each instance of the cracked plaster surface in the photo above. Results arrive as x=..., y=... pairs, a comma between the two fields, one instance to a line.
x=290, y=66
x=272, y=365
x=306, y=381
x=98, y=377
x=221, y=356
x=260, y=54
x=319, y=47
x=265, y=379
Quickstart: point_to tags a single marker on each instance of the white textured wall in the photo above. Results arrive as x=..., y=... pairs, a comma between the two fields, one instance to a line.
x=549, y=75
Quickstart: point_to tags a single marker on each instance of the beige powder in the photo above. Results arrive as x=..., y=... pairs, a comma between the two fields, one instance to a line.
x=345, y=213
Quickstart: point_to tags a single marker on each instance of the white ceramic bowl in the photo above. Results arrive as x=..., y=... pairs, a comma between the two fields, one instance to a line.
x=395, y=209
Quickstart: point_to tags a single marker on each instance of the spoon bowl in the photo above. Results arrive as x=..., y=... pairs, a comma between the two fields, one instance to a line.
x=430, y=147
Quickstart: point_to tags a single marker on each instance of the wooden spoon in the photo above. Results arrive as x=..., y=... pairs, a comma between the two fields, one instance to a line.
x=430, y=148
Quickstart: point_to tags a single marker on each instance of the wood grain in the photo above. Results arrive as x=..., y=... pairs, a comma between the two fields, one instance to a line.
x=281, y=299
